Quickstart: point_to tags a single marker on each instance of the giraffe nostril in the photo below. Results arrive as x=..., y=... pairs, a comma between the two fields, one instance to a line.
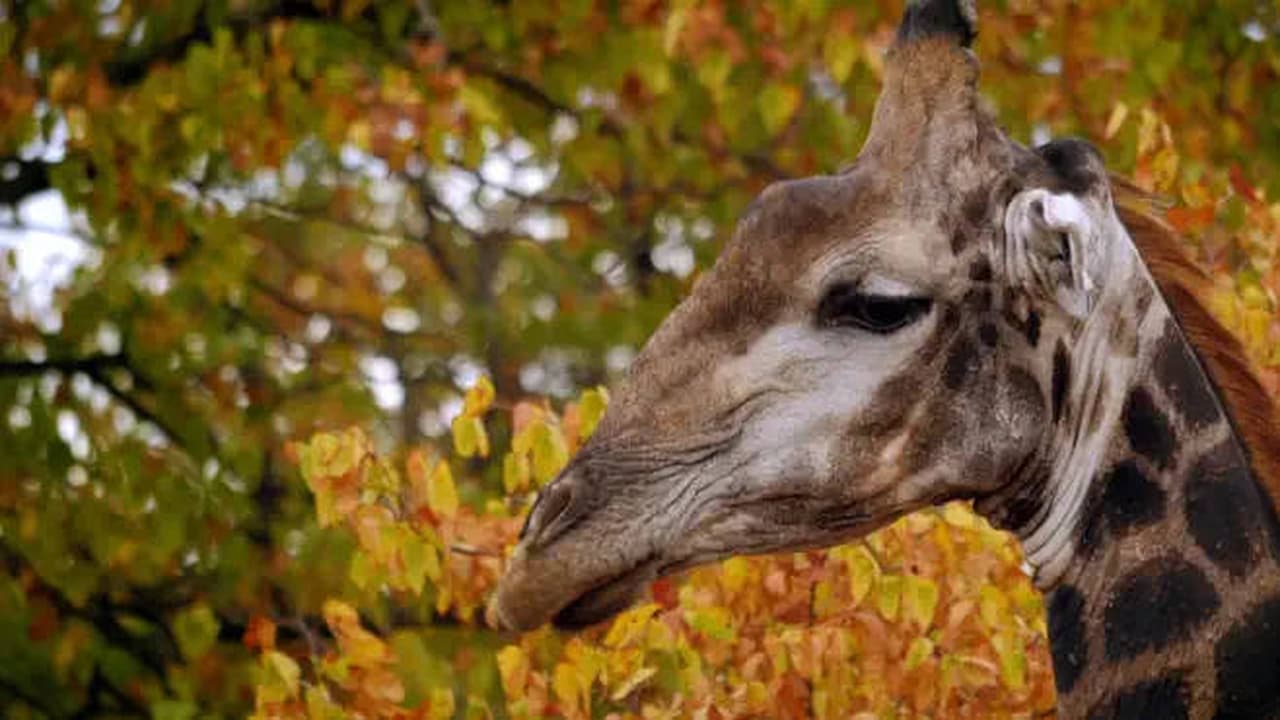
x=551, y=514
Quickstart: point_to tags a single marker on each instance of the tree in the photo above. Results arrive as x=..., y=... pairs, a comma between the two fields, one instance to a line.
x=303, y=216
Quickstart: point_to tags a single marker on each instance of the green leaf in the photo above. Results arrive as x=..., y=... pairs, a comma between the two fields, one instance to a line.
x=196, y=630
x=173, y=710
x=477, y=103
x=777, y=103
x=363, y=572
x=713, y=622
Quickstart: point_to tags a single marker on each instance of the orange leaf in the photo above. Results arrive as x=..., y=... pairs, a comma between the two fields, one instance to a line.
x=261, y=634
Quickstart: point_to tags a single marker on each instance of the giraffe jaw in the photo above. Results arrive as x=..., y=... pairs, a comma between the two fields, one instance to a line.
x=528, y=597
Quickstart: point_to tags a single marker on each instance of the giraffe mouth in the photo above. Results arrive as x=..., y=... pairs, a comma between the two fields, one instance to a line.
x=608, y=598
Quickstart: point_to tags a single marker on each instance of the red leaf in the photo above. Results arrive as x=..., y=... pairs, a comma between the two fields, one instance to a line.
x=664, y=593
x=1189, y=219
x=1242, y=185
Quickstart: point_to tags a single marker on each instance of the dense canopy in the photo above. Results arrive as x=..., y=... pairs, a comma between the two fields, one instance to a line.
x=429, y=230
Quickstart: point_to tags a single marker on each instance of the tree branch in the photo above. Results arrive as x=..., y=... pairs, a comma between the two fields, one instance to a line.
x=31, y=699
x=89, y=364
x=98, y=612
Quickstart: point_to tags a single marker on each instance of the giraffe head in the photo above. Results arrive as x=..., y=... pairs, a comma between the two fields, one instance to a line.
x=867, y=344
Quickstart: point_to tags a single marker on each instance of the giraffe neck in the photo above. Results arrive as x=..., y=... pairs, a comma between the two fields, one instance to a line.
x=1160, y=565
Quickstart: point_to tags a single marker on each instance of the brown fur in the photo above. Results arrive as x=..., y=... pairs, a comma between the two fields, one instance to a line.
x=1185, y=286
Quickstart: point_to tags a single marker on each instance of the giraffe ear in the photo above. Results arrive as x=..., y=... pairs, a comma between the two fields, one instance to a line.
x=1057, y=244
x=1062, y=236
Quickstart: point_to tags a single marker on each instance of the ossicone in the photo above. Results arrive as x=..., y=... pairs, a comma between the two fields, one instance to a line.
x=932, y=18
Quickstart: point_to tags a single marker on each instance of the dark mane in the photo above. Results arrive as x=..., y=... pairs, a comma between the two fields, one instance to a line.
x=1185, y=285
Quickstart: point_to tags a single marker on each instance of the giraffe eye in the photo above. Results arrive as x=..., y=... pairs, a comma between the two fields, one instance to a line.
x=845, y=306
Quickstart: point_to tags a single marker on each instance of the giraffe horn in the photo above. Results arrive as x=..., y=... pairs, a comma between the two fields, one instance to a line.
x=928, y=103
x=927, y=18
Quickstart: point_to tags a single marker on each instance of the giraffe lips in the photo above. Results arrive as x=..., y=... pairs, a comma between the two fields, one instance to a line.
x=607, y=599
x=534, y=591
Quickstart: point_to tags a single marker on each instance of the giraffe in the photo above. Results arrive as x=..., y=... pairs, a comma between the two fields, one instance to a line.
x=955, y=316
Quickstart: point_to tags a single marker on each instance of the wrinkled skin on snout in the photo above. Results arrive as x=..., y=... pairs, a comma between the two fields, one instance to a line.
x=858, y=351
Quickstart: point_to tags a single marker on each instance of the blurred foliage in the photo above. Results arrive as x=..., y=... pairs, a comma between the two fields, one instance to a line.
x=301, y=216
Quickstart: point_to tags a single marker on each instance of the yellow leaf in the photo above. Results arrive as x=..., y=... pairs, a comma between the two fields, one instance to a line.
x=921, y=648
x=353, y=447
x=444, y=598
x=478, y=105
x=319, y=705
x=1013, y=660
x=993, y=606
x=919, y=600
x=825, y=601
x=326, y=507
x=630, y=625
x=479, y=398
x=888, y=597
x=416, y=468
x=777, y=103
x=862, y=573
x=550, y=453
x=363, y=571
x=369, y=521
x=734, y=572
x=713, y=70
x=482, y=439
x=629, y=685
x=713, y=621
x=420, y=562
x=565, y=685
x=315, y=456
x=359, y=646
x=839, y=55
x=671, y=32
x=592, y=406
x=1118, y=115
x=1165, y=168
x=466, y=440
x=283, y=669
x=337, y=613
x=515, y=472
x=442, y=703
x=513, y=668
x=360, y=134
x=382, y=478
x=442, y=495
x=959, y=515
x=379, y=683
x=660, y=637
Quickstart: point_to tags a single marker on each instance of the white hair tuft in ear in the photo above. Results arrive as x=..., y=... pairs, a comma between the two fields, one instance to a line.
x=1061, y=246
